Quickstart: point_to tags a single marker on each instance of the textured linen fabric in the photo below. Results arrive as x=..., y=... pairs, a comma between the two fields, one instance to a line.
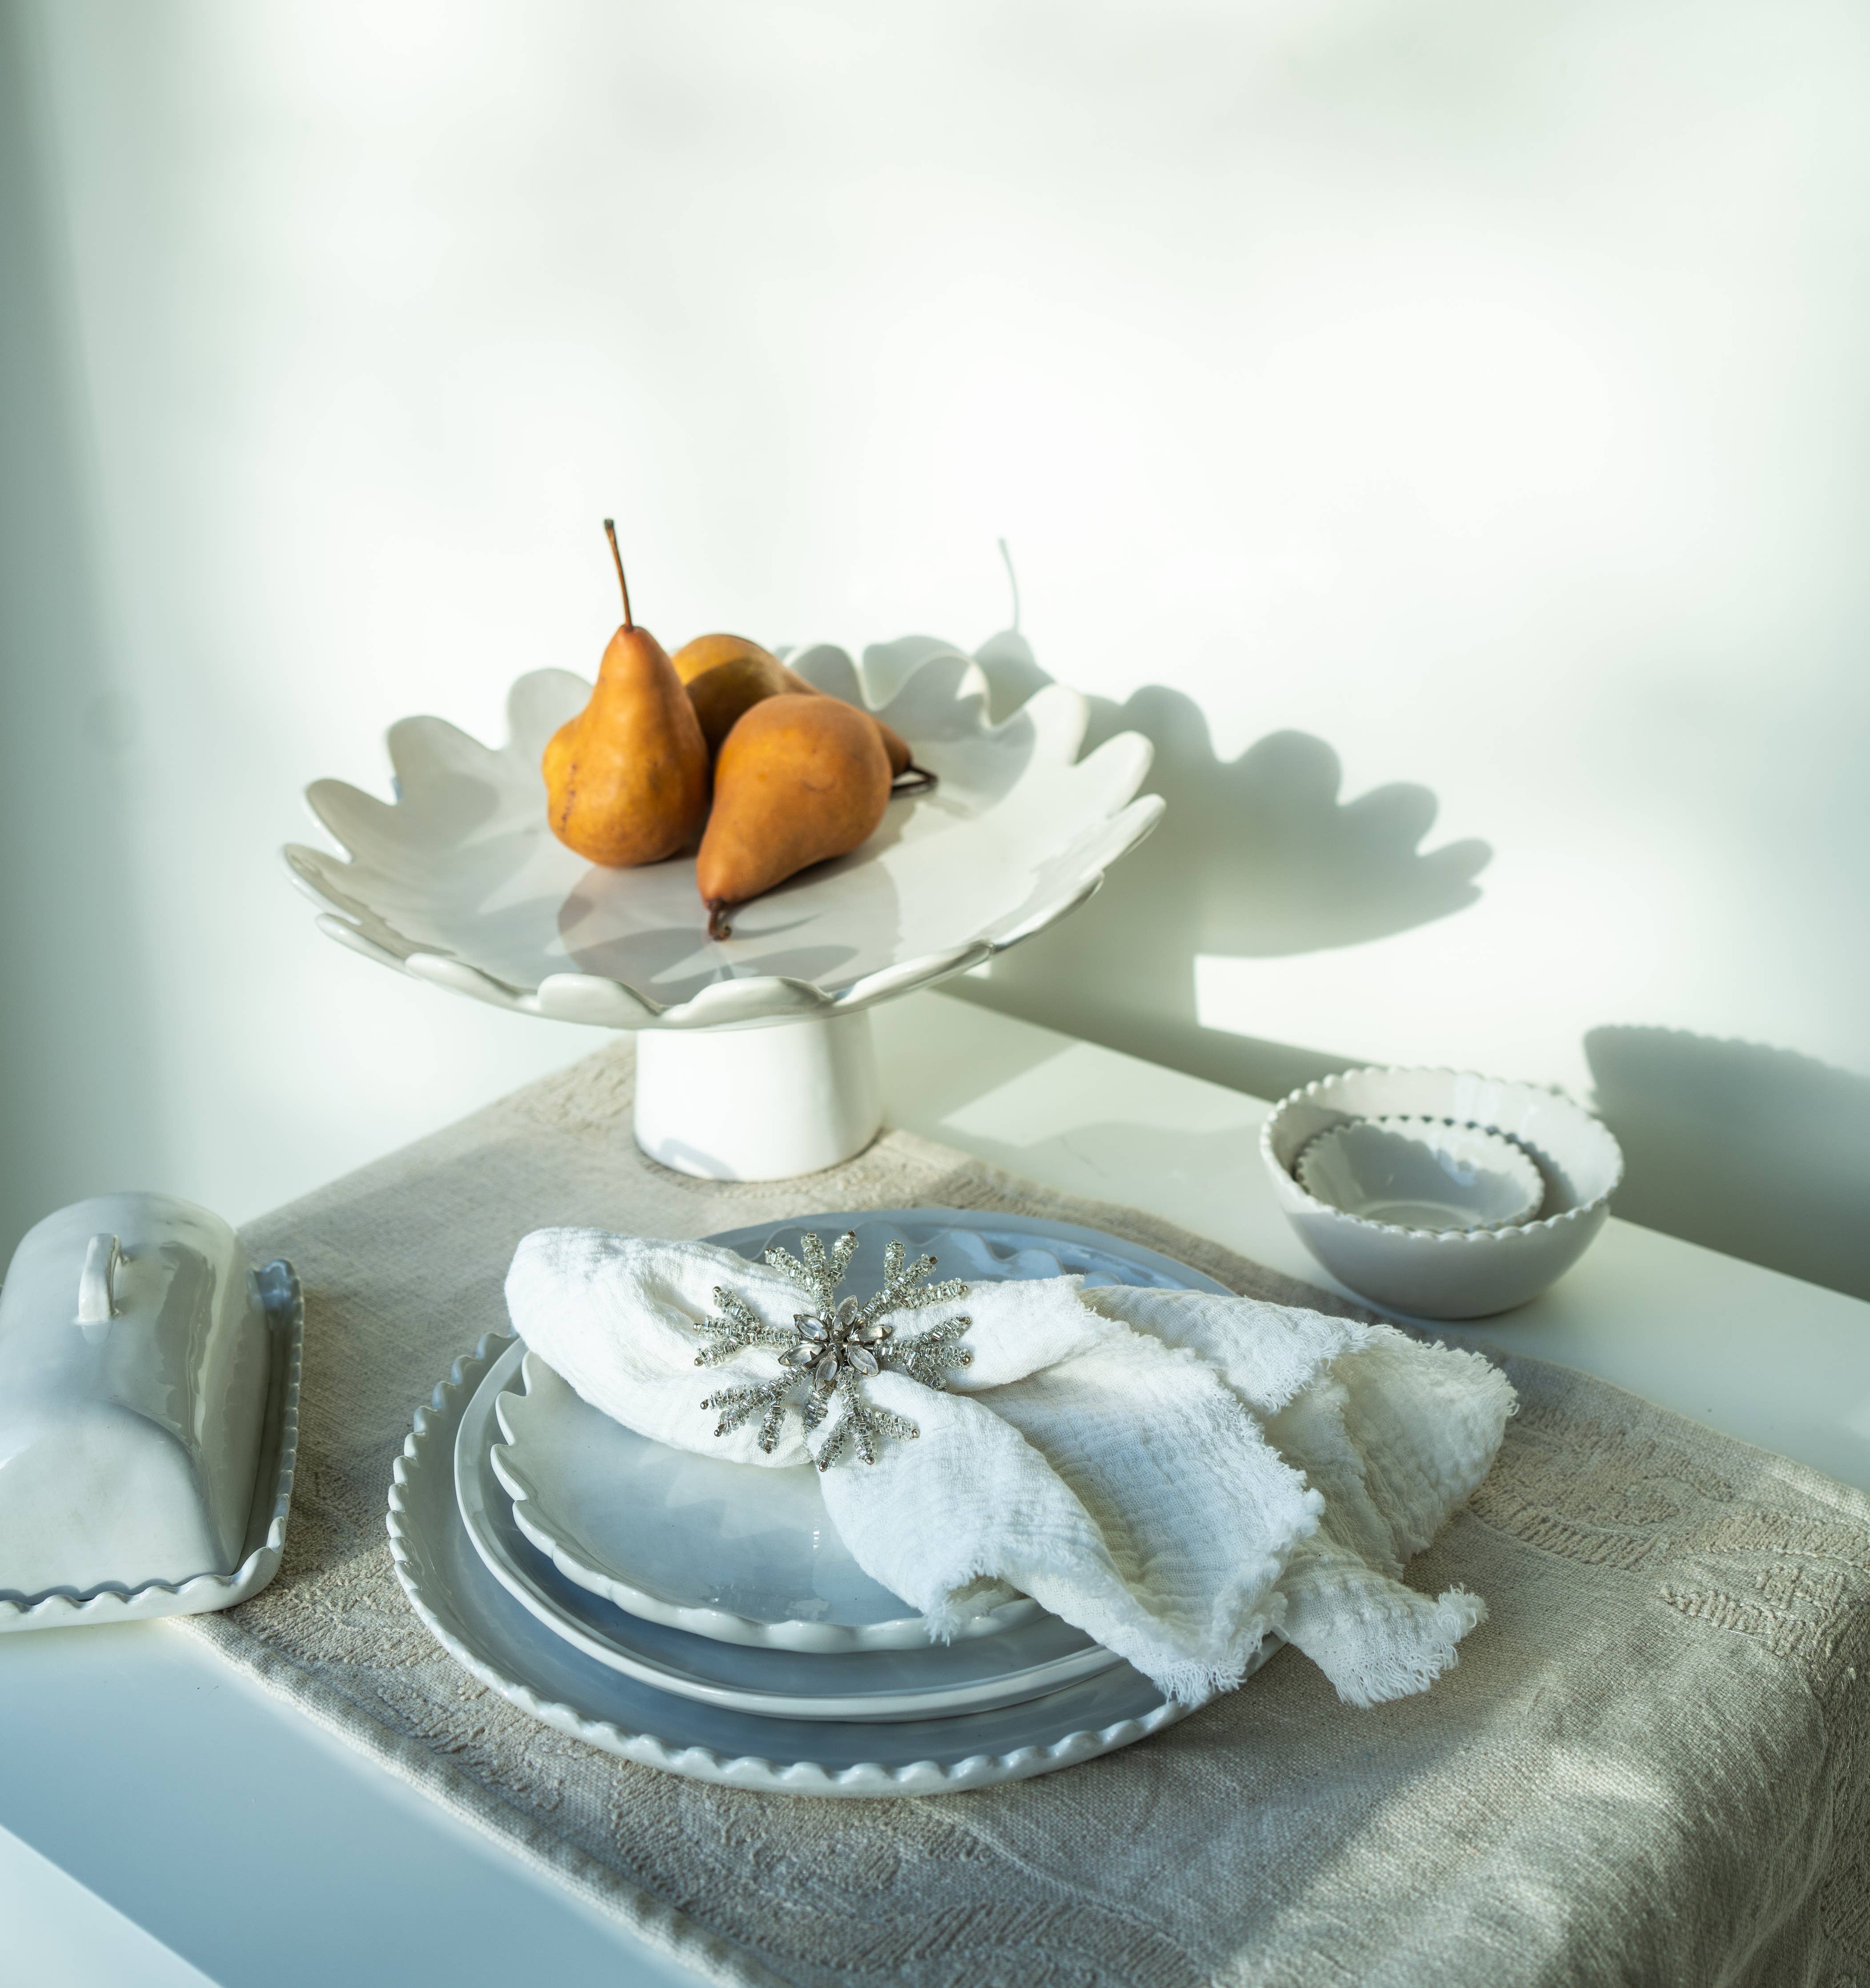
x=1648, y=1766
x=1106, y=1453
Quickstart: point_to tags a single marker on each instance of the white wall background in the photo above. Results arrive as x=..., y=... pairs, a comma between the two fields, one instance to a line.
x=1476, y=388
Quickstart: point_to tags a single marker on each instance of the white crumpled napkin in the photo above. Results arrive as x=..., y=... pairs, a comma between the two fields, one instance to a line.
x=1174, y=1473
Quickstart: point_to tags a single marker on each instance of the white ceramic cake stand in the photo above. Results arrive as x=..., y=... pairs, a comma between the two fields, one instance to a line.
x=755, y=1060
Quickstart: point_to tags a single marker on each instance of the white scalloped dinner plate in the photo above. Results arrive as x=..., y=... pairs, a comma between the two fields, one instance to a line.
x=927, y=1680
x=731, y=1551
x=737, y=1552
x=498, y=1642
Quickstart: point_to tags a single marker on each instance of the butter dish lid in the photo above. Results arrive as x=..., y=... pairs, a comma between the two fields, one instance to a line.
x=148, y=1413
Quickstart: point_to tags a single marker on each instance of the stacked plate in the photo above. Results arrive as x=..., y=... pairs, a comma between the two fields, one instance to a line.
x=706, y=1617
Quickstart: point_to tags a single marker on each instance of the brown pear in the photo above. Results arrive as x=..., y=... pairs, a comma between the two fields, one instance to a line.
x=626, y=779
x=753, y=673
x=705, y=653
x=800, y=778
x=722, y=694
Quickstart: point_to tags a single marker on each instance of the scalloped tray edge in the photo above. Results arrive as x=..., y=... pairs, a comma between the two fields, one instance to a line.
x=202, y=1594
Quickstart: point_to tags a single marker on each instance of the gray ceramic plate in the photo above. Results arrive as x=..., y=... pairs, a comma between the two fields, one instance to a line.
x=925, y=1680
x=510, y=1651
x=739, y=1553
x=487, y=1631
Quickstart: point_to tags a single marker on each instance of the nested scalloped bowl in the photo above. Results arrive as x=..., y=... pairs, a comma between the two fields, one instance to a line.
x=459, y=882
x=1449, y=1273
x=1421, y=1173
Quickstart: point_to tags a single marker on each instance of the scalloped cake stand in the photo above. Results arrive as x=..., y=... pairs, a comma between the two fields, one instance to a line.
x=754, y=1058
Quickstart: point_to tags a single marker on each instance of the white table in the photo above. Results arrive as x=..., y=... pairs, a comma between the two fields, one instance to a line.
x=162, y=1821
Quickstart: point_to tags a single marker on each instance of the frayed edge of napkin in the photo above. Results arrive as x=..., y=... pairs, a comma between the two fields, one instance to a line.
x=1400, y=1648
x=1191, y=1681
x=959, y=1609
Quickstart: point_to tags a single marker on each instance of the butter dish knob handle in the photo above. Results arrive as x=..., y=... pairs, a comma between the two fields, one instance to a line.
x=96, y=1300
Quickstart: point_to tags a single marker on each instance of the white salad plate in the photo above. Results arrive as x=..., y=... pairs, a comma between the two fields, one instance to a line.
x=1421, y=1173
x=934, y=1680
x=513, y=1653
x=741, y=1553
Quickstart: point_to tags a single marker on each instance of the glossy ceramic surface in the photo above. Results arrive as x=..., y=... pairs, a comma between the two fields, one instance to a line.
x=1458, y=1273
x=133, y=1379
x=924, y=1681
x=262, y=1543
x=511, y=1653
x=459, y=882
x=758, y=1103
x=736, y=1551
x=1421, y=1173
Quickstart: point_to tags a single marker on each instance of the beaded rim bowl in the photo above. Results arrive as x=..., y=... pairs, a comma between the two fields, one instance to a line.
x=1449, y=1273
x=1376, y=1168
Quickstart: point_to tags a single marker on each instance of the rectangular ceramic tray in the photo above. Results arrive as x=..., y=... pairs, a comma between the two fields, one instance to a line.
x=264, y=1544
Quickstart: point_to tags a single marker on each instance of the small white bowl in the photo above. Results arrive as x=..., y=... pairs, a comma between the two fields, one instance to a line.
x=1421, y=1173
x=1449, y=1273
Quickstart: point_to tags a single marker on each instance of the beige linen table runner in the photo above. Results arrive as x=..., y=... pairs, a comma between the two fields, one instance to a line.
x=1648, y=1767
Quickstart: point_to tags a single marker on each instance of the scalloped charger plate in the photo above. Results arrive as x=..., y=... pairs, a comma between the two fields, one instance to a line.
x=509, y=1650
x=513, y=1653
x=459, y=882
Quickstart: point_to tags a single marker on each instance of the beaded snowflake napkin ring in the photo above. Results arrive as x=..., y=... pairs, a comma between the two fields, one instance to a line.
x=829, y=1350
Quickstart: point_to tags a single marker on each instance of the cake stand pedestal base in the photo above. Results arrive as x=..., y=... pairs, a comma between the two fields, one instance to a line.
x=762, y=1103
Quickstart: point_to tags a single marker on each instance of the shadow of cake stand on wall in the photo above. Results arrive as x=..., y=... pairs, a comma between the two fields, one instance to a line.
x=754, y=1058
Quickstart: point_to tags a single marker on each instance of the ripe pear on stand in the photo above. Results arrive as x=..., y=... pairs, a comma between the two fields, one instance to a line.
x=705, y=653
x=728, y=674
x=799, y=779
x=729, y=683
x=626, y=779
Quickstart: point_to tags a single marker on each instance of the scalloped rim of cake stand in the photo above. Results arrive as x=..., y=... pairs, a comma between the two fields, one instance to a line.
x=1058, y=716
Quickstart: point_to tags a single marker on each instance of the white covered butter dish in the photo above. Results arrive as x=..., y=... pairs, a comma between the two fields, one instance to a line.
x=148, y=1415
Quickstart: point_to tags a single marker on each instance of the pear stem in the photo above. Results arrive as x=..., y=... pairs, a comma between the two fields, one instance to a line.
x=718, y=927
x=610, y=532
